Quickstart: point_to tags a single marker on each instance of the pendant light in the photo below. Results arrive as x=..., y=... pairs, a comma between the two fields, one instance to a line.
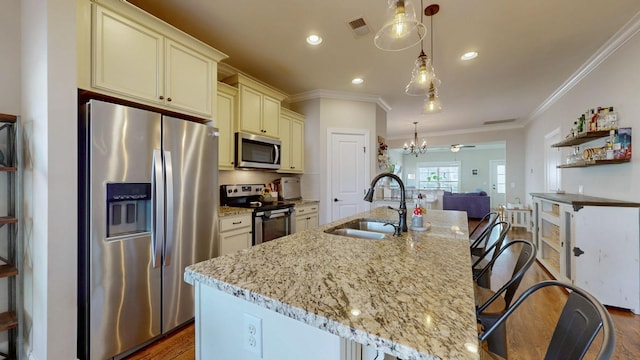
x=422, y=73
x=402, y=30
x=432, y=102
x=413, y=147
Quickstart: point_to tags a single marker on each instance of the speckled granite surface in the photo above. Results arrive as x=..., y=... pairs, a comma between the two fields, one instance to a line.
x=410, y=296
x=230, y=210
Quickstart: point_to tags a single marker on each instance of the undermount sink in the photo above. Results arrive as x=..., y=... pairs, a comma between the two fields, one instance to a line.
x=362, y=228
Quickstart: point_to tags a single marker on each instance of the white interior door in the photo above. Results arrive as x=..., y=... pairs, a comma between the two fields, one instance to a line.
x=498, y=183
x=552, y=158
x=348, y=173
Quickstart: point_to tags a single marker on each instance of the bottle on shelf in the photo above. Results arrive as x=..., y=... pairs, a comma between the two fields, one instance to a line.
x=611, y=118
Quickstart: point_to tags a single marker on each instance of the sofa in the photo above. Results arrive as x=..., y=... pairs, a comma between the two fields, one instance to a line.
x=476, y=204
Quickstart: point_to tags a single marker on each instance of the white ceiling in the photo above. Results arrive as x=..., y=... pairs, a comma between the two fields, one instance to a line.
x=527, y=50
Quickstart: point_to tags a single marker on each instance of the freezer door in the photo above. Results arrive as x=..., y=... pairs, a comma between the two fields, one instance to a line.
x=124, y=289
x=191, y=171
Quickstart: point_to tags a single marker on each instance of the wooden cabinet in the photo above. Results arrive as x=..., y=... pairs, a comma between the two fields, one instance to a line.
x=307, y=216
x=292, y=137
x=591, y=242
x=137, y=57
x=258, y=106
x=226, y=114
x=235, y=233
x=11, y=237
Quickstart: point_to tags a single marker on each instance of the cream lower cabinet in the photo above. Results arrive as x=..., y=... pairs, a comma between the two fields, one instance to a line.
x=307, y=216
x=235, y=233
x=292, y=137
x=226, y=114
x=133, y=57
x=258, y=106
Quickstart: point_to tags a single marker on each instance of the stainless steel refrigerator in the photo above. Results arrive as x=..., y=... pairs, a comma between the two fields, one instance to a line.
x=148, y=201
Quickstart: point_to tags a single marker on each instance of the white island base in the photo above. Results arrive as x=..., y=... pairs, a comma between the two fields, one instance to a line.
x=223, y=334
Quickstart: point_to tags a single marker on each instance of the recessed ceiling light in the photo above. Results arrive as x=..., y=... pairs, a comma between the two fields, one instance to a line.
x=469, y=56
x=357, y=81
x=314, y=39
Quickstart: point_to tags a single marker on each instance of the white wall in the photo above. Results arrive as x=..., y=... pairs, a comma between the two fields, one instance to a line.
x=615, y=82
x=49, y=115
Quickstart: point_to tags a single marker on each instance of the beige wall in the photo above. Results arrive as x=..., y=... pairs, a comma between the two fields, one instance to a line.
x=322, y=114
x=10, y=59
x=513, y=140
x=615, y=82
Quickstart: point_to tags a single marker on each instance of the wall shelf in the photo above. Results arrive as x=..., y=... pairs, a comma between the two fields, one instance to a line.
x=586, y=163
x=582, y=138
x=11, y=240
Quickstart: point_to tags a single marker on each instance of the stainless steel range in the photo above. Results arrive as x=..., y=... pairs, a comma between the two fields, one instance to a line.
x=271, y=220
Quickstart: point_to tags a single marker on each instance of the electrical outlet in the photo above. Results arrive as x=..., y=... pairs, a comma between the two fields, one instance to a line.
x=252, y=334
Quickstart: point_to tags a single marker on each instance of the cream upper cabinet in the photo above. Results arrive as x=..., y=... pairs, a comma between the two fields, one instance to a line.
x=292, y=137
x=188, y=76
x=138, y=57
x=258, y=106
x=226, y=114
x=128, y=58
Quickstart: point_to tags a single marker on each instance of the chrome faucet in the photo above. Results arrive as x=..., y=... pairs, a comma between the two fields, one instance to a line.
x=402, y=211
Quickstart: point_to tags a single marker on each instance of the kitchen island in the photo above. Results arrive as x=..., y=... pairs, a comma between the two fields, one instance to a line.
x=311, y=295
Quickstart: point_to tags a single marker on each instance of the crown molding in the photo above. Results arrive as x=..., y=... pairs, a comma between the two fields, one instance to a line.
x=339, y=95
x=492, y=128
x=627, y=32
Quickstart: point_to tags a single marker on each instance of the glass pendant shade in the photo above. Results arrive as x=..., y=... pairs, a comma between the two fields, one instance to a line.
x=420, y=76
x=402, y=30
x=432, y=102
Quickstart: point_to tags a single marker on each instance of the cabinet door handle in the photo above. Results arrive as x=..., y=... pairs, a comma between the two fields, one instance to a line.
x=577, y=251
x=161, y=97
x=237, y=222
x=336, y=200
x=168, y=99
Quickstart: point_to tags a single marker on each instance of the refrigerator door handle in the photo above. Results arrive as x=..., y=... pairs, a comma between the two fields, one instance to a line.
x=169, y=234
x=158, y=209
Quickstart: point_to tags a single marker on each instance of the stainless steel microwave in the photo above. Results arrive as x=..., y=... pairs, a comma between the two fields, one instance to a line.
x=257, y=152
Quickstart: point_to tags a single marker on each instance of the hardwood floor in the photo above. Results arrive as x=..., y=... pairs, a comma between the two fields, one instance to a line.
x=528, y=329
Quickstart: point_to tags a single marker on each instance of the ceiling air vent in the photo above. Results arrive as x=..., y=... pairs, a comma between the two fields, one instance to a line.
x=359, y=27
x=493, y=122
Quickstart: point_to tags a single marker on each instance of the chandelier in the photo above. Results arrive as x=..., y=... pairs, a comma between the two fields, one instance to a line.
x=413, y=148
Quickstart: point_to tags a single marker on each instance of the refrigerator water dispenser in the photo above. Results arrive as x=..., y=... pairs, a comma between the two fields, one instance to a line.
x=128, y=208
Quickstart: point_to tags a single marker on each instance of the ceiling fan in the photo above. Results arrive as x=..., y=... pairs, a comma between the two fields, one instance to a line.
x=457, y=147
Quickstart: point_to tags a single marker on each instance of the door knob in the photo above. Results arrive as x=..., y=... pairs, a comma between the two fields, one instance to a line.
x=577, y=251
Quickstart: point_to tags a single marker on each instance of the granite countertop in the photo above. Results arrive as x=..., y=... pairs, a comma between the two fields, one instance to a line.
x=578, y=200
x=410, y=296
x=230, y=210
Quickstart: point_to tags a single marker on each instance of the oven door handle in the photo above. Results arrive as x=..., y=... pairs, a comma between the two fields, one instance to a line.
x=274, y=214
